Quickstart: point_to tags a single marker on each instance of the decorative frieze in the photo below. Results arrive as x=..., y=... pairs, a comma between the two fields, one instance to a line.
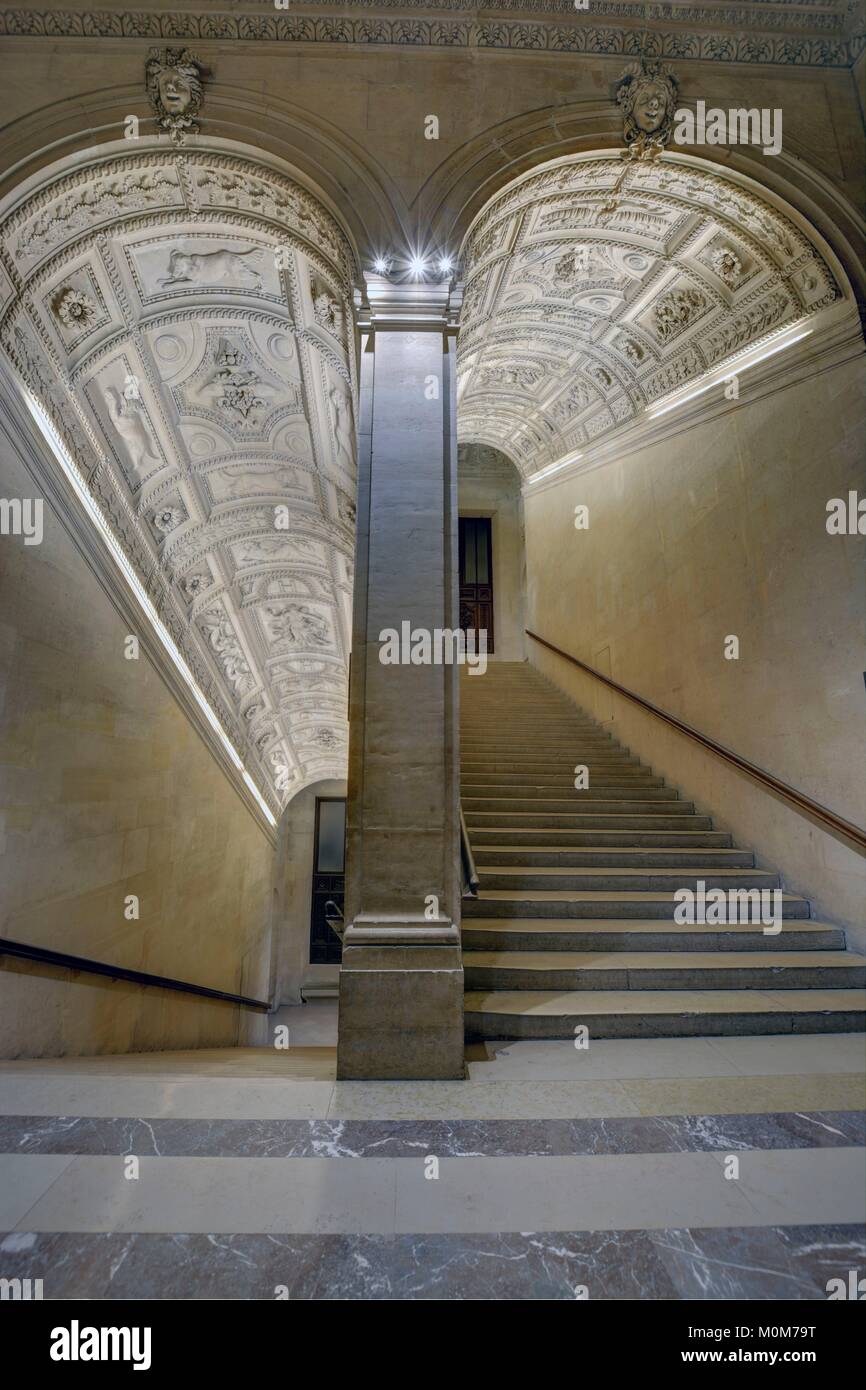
x=811, y=38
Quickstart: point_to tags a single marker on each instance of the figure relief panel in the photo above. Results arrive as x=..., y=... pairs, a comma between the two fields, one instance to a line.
x=254, y=478
x=122, y=402
x=173, y=267
x=292, y=624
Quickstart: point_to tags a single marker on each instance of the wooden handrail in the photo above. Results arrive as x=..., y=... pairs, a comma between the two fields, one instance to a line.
x=22, y=951
x=855, y=834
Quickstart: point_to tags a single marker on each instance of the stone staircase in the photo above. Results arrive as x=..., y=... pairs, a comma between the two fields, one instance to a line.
x=574, y=920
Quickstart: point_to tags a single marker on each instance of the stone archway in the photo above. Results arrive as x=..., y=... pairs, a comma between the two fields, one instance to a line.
x=184, y=317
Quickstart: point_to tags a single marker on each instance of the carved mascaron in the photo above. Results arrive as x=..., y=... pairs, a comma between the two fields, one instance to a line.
x=174, y=85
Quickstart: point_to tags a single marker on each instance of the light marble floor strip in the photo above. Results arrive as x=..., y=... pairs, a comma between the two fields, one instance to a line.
x=417, y=1100
x=204, y=1098
x=224, y=1098
x=363, y=1195
x=629, y=1058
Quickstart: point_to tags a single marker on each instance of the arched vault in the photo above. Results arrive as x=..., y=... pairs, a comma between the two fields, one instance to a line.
x=185, y=319
x=596, y=286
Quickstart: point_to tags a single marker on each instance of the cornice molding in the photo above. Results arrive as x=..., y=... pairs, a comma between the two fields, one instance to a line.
x=812, y=35
x=836, y=338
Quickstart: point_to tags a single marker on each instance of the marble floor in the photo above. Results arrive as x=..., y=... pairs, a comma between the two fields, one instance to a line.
x=707, y=1169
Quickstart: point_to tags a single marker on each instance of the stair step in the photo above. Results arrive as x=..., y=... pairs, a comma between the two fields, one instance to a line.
x=505, y=744
x=573, y=922
x=557, y=878
x=623, y=802
x=531, y=767
x=511, y=783
x=662, y=1013
x=577, y=856
x=585, y=970
x=487, y=838
x=643, y=934
x=597, y=903
x=558, y=820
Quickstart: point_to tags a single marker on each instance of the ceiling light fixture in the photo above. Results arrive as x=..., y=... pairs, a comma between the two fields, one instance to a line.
x=71, y=471
x=553, y=468
x=417, y=265
x=730, y=368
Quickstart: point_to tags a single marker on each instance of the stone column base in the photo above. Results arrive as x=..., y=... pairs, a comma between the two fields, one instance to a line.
x=401, y=1004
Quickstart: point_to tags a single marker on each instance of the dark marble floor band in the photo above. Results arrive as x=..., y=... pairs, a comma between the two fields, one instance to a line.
x=408, y=1138
x=757, y=1263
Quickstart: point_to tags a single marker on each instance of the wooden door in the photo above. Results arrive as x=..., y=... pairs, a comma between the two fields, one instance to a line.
x=476, y=576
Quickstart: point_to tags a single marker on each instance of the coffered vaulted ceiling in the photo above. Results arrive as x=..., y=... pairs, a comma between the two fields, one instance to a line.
x=185, y=317
x=596, y=287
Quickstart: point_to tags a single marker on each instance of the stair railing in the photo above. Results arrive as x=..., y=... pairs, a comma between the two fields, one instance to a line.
x=467, y=859
x=22, y=951
x=838, y=825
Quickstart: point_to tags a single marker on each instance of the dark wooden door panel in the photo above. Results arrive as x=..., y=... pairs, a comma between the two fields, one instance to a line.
x=329, y=878
x=476, y=576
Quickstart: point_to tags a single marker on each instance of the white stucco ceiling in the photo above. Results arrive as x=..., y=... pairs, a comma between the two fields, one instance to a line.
x=185, y=317
x=594, y=287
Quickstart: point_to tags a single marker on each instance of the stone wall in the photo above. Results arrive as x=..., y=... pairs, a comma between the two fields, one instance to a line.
x=720, y=530
x=107, y=791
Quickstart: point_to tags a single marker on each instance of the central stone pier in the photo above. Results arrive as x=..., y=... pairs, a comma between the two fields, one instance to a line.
x=401, y=981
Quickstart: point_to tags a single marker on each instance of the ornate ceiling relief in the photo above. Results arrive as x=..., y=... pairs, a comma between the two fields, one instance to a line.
x=597, y=286
x=185, y=319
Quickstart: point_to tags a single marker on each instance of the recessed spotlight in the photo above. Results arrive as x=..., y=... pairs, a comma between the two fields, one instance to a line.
x=417, y=265
x=382, y=265
x=446, y=265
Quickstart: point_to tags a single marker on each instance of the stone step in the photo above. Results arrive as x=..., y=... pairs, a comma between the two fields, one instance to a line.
x=530, y=716
x=559, y=783
x=593, y=856
x=578, y=903
x=556, y=878
x=624, y=803
x=548, y=749
x=498, y=733
x=495, y=734
x=573, y=922
x=529, y=766
x=591, y=970
x=490, y=836
x=643, y=934
x=568, y=794
x=522, y=707
x=498, y=724
x=681, y=817
x=607, y=783
x=662, y=1013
